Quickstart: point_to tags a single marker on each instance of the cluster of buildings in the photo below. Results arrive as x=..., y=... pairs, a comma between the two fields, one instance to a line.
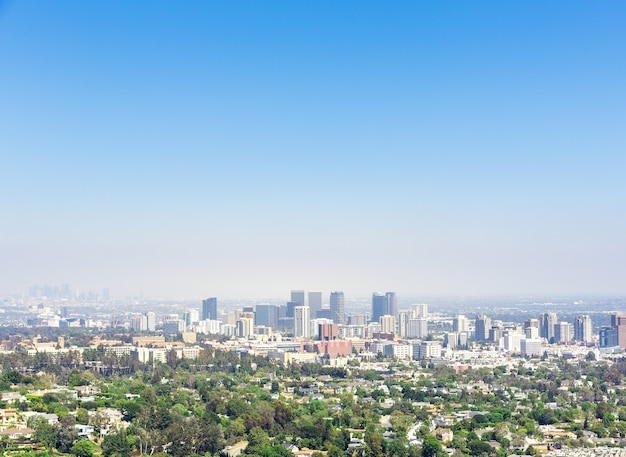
x=317, y=325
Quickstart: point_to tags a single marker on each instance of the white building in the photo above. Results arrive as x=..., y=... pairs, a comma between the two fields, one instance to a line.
x=530, y=347
x=302, y=322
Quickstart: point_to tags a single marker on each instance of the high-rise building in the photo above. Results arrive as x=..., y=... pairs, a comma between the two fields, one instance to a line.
x=267, y=315
x=531, y=323
x=337, y=307
x=209, y=309
x=245, y=326
x=563, y=332
x=608, y=337
x=392, y=304
x=151, y=321
x=291, y=306
x=460, y=323
x=482, y=326
x=379, y=306
x=139, y=323
x=583, y=329
x=387, y=323
x=547, y=323
x=417, y=328
x=357, y=319
x=618, y=322
x=297, y=296
x=315, y=303
x=530, y=347
x=420, y=310
x=302, y=322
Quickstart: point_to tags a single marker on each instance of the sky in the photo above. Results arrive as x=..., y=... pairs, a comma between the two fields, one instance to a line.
x=246, y=148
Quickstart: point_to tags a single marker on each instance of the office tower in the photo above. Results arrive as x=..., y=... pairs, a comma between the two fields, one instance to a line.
x=608, y=337
x=420, y=310
x=495, y=333
x=531, y=332
x=482, y=326
x=315, y=303
x=357, y=319
x=267, y=315
x=302, y=322
x=291, y=306
x=337, y=307
x=618, y=322
x=139, y=323
x=151, y=320
x=244, y=327
x=191, y=316
x=530, y=347
x=297, y=296
x=209, y=308
x=392, y=303
x=417, y=328
x=387, y=323
x=531, y=323
x=379, y=306
x=547, y=323
x=403, y=323
x=328, y=332
x=460, y=323
x=563, y=332
x=174, y=326
x=583, y=329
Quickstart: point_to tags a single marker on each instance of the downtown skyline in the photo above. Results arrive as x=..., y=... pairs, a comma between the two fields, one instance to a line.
x=242, y=151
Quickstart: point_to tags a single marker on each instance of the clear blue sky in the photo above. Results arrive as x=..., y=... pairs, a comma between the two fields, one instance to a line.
x=248, y=148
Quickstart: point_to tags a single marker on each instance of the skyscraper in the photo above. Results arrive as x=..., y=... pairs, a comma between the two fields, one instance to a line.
x=379, y=306
x=460, y=323
x=302, y=322
x=420, y=310
x=337, y=307
x=267, y=315
x=392, y=304
x=583, y=329
x=151, y=321
x=618, y=322
x=209, y=309
x=547, y=323
x=297, y=296
x=315, y=303
x=388, y=324
x=482, y=327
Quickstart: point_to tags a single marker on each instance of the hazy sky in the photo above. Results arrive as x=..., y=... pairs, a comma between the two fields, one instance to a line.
x=245, y=148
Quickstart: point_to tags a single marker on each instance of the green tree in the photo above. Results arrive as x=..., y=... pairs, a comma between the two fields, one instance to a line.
x=431, y=447
x=116, y=444
x=82, y=448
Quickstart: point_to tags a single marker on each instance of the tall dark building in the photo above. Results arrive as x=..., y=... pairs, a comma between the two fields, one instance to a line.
x=209, y=309
x=482, y=327
x=315, y=303
x=379, y=306
x=267, y=315
x=547, y=324
x=618, y=322
x=297, y=296
x=291, y=307
x=337, y=307
x=392, y=304
x=608, y=337
x=583, y=329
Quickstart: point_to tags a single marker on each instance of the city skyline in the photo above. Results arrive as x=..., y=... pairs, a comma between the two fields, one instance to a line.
x=184, y=150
